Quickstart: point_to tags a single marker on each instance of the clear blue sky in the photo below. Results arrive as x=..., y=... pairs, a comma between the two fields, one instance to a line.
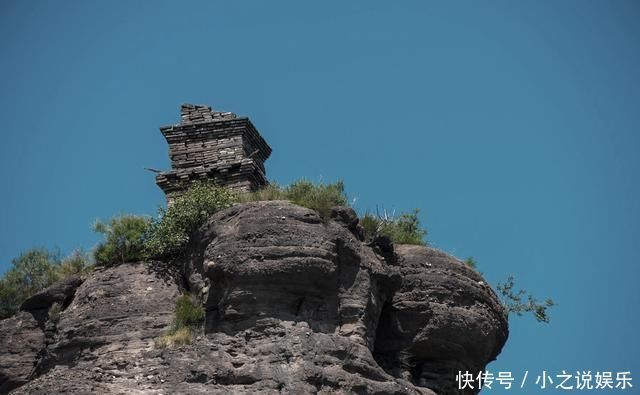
x=513, y=126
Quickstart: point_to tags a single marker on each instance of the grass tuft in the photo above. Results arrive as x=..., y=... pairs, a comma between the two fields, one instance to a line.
x=177, y=338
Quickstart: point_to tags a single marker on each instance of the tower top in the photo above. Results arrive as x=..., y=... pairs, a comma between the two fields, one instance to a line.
x=213, y=145
x=195, y=113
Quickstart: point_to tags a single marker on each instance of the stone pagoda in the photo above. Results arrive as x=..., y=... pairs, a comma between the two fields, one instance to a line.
x=216, y=146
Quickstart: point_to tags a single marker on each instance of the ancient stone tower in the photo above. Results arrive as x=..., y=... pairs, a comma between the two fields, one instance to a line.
x=213, y=145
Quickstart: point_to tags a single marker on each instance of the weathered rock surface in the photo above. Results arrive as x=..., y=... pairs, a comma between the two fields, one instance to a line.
x=21, y=339
x=444, y=319
x=294, y=304
x=97, y=344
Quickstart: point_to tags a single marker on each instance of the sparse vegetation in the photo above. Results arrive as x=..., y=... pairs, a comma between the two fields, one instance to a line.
x=273, y=191
x=175, y=338
x=189, y=317
x=189, y=312
x=169, y=234
x=131, y=238
x=521, y=302
x=33, y=271
x=54, y=312
x=470, y=262
x=124, y=239
x=404, y=229
x=320, y=197
x=77, y=263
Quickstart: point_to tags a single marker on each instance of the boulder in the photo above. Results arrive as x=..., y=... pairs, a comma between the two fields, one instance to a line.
x=60, y=292
x=347, y=217
x=443, y=319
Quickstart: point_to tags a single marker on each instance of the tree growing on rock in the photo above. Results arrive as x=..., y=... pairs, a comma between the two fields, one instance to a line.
x=124, y=239
x=521, y=302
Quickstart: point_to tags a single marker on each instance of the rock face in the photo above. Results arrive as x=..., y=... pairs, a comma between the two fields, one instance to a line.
x=99, y=339
x=24, y=337
x=294, y=304
x=444, y=319
x=21, y=339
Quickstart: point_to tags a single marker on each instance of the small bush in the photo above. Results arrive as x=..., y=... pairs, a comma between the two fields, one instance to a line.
x=124, y=239
x=169, y=234
x=404, y=229
x=320, y=197
x=513, y=302
x=189, y=316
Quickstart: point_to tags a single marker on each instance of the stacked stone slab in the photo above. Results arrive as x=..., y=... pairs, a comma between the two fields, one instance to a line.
x=216, y=146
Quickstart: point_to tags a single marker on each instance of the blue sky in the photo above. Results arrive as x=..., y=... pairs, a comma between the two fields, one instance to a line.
x=513, y=126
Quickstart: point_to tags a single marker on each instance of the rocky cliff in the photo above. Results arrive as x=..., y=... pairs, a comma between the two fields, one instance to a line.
x=294, y=304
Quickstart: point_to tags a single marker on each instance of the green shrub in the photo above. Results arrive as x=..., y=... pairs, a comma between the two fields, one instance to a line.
x=189, y=312
x=320, y=197
x=124, y=239
x=470, y=262
x=513, y=301
x=189, y=316
x=405, y=229
x=170, y=233
x=33, y=271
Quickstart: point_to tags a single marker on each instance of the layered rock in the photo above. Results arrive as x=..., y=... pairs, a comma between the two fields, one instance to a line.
x=24, y=337
x=100, y=338
x=294, y=304
x=21, y=340
x=444, y=319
